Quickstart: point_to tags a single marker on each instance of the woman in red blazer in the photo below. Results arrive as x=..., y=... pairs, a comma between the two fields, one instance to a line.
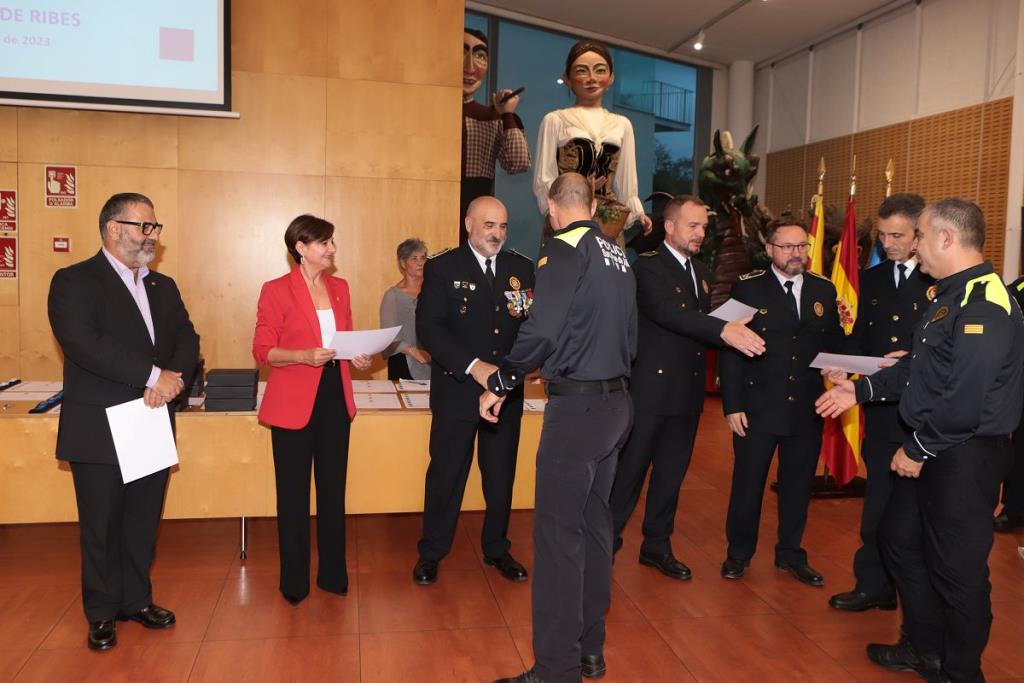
x=308, y=404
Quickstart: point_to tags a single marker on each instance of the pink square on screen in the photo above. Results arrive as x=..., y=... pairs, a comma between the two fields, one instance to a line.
x=177, y=44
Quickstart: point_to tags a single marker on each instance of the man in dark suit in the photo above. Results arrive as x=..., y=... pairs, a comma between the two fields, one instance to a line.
x=893, y=297
x=673, y=297
x=469, y=311
x=125, y=335
x=1012, y=515
x=769, y=400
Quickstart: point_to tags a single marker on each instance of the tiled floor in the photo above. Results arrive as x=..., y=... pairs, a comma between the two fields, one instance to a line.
x=472, y=625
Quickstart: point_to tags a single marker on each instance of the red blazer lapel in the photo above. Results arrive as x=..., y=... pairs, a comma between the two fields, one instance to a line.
x=305, y=303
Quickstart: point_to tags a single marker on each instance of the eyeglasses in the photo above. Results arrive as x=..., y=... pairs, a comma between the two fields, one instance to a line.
x=479, y=54
x=144, y=227
x=790, y=248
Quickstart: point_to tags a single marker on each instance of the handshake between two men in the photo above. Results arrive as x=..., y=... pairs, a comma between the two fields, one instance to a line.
x=843, y=396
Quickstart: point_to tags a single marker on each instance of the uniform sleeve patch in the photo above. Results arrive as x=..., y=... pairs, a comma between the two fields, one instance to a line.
x=542, y=262
x=974, y=329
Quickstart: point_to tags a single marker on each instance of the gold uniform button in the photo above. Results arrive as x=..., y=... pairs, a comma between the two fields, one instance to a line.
x=895, y=318
x=794, y=358
x=894, y=339
x=497, y=309
x=790, y=398
x=660, y=371
x=494, y=353
x=679, y=290
x=497, y=331
x=792, y=378
x=683, y=305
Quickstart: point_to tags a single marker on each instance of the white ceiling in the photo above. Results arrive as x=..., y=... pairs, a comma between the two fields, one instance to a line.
x=759, y=30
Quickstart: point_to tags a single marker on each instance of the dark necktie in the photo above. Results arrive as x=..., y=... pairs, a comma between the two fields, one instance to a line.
x=689, y=278
x=489, y=273
x=792, y=299
x=902, y=267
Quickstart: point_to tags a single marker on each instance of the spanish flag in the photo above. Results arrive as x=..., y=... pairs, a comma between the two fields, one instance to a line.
x=815, y=257
x=841, y=444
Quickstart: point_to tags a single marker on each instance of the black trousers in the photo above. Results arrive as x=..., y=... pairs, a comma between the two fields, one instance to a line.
x=935, y=537
x=320, y=446
x=667, y=442
x=798, y=458
x=398, y=367
x=872, y=578
x=1013, y=487
x=117, y=525
x=451, y=456
x=572, y=528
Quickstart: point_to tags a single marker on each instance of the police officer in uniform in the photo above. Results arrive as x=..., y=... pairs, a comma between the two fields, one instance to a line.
x=673, y=297
x=582, y=334
x=1012, y=515
x=473, y=300
x=893, y=297
x=769, y=400
x=960, y=392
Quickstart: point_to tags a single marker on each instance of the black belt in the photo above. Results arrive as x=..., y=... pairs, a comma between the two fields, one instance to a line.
x=332, y=363
x=568, y=387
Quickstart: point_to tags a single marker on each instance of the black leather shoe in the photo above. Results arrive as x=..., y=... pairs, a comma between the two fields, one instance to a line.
x=102, y=635
x=525, y=677
x=733, y=568
x=425, y=572
x=592, y=666
x=802, y=572
x=903, y=657
x=508, y=567
x=856, y=601
x=153, y=616
x=667, y=564
x=1005, y=522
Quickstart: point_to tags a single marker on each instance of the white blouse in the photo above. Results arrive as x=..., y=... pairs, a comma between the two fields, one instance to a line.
x=596, y=124
x=327, y=326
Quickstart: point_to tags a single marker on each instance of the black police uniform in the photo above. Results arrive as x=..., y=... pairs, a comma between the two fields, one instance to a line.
x=459, y=317
x=886, y=318
x=667, y=386
x=777, y=391
x=582, y=333
x=960, y=392
x=1013, y=487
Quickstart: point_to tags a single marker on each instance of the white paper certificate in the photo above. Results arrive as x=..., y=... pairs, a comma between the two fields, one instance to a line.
x=861, y=365
x=368, y=342
x=732, y=310
x=142, y=439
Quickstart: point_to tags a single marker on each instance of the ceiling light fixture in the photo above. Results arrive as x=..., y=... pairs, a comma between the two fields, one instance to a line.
x=699, y=43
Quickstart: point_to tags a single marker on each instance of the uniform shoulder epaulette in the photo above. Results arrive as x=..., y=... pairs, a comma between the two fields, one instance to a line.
x=817, y=275
x=439, y=253
x=513, y=251
x=752, y=274
x=649, y=253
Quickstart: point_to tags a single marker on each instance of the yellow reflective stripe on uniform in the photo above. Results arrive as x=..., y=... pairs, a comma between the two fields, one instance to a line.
x=994, y=293
x=573, y=237
x=1020, y=287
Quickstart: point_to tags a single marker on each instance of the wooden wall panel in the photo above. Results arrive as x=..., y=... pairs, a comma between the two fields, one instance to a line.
x=390, y=130
x=10, y=356
x=962, y=153
x=994, y=175
x=274, y=37
x=400, y=42
x=874, y=148
x=281, y=129
x=784, y=186
x=39, y=351
x=8, y=134
x=97, y=138
x=221, y=278
x=366, y=253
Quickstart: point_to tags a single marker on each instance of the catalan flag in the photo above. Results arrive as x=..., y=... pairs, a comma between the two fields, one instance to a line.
x=815, y=255
x=842, y=438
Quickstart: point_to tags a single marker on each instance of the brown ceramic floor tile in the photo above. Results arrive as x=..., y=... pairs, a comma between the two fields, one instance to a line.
x=263, y=558
x=387, y=543
x=390, y=601
x=785, y=594
x=123, y=664
x=1003, y=656
x=253, y=607
x=11, y=661
x=29, y=613
x=748, y=648
x=439, y=656
x=39, y=554
x=324, y=658
x=191, y=601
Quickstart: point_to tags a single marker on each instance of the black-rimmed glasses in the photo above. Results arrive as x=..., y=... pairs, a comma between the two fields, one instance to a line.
x=790, y=248
x=145, y=227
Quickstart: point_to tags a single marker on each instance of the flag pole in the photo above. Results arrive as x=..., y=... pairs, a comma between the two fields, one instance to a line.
x=890, y=173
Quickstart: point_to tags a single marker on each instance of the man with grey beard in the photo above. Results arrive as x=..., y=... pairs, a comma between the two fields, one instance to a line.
x=125, y=335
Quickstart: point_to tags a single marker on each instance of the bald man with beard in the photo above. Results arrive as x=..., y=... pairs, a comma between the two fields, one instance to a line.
x=473, y=300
